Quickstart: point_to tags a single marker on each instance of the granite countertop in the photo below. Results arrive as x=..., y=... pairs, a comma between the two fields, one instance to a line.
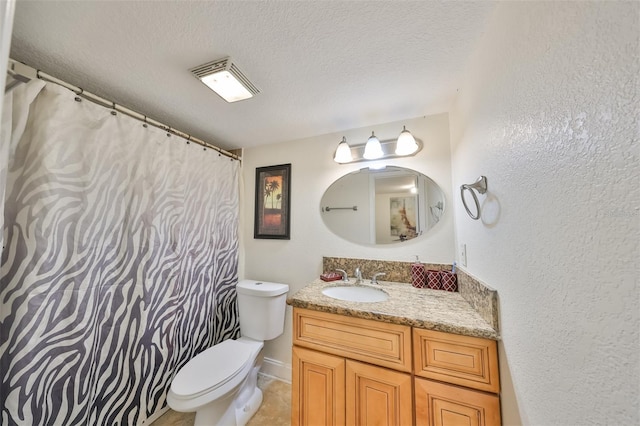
x=418, y=307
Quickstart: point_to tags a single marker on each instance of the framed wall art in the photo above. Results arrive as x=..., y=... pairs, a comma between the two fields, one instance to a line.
x=273, y=202
x=403, y=217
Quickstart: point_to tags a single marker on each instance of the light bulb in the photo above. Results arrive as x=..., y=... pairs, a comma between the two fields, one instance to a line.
x=406, y=144
x=373, y=149
x=343, y=152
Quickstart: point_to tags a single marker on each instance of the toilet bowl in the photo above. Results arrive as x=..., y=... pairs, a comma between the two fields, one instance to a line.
x=220, y=383
x=220, y=374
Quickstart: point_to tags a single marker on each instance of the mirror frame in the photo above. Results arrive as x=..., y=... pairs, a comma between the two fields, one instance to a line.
x=426, y=214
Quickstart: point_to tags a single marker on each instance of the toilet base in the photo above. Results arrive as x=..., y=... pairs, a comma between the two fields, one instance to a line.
x=244, y=413
x=218, y=412
x=236, y=407
x=233, y=416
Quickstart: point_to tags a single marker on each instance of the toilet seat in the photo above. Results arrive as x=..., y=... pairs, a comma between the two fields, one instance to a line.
x=212, y=368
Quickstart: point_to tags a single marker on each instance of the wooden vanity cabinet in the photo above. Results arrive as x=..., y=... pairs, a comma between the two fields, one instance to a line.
x=327, y=371
x=356, y=371
x=469, y=366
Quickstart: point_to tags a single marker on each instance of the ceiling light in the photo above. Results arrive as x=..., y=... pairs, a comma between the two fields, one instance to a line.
x=373, y=149
x=223, y=77
x=406, y=144
x=343, y=152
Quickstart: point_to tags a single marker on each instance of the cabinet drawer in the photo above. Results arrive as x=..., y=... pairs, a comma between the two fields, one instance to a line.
x=461, y=360
x=387, y=345
x=439, y=404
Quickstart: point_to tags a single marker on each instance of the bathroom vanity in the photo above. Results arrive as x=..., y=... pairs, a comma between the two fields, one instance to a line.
x=422, y=357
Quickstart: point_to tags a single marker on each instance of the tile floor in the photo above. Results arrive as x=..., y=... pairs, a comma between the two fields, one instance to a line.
x=274, y=411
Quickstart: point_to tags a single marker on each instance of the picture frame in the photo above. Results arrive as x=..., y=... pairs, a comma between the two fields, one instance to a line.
x=403, y=216
x=272, y=217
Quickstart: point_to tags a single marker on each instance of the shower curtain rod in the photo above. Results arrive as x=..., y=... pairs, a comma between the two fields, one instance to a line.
x=22, y=73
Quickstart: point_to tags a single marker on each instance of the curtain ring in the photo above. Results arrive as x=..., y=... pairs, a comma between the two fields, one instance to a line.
x=113, y=108
x=188, y=139
x=145, y=125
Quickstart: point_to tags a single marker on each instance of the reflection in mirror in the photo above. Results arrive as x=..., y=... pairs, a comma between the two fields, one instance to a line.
x=389, y=205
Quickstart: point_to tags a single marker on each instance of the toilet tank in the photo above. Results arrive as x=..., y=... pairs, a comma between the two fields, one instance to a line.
x=261, y=305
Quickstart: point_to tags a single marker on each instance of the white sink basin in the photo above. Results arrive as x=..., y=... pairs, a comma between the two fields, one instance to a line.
x=353, y=293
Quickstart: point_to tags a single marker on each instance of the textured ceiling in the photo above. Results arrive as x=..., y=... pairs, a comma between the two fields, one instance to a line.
x=322, y=67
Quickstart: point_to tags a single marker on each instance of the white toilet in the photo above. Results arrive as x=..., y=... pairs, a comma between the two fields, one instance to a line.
x=220, y=384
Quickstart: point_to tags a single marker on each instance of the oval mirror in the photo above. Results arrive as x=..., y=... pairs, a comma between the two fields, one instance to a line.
x=385, y=206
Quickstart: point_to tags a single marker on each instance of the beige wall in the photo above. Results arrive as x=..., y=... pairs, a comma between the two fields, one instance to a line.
x=548, y=111
x=298, y=261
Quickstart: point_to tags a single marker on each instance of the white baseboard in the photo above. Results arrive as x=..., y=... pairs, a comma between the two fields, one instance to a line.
x=155, y=416
x=276, y=369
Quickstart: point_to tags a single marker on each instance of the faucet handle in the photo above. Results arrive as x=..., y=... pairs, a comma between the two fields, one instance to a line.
x=345, y=277
x=374, y=279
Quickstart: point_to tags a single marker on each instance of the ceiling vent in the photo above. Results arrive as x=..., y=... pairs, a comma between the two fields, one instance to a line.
x=225, y=78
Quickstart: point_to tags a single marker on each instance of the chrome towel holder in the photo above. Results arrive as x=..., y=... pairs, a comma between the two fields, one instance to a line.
x=328, y=209
x=480, y=185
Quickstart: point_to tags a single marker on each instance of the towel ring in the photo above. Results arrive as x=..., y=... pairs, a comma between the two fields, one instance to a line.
x=479, y=185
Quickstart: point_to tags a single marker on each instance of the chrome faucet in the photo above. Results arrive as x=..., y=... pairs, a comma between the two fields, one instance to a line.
x=374, y=279
x=358, y=275
x=345, y=277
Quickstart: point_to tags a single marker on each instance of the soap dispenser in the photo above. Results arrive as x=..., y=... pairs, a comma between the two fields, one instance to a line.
x=417, y=274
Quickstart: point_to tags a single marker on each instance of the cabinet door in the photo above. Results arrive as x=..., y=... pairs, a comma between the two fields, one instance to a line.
x=439, y=404
x=377, y=396
x=317, y=391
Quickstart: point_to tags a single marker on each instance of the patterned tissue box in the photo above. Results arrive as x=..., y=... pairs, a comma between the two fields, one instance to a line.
x=449, y=281
x=433, y=280
x=330, y=276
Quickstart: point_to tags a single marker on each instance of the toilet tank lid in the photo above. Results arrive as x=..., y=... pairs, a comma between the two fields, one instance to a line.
x=261, y=288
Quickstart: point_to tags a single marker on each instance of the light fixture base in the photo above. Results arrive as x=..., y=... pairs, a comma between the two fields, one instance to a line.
x=225, y=78
x=388, y=151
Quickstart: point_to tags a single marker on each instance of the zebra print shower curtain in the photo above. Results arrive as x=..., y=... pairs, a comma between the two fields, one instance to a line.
x=119, y=260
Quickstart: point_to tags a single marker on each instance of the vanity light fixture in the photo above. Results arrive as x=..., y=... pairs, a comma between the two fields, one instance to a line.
x=377, y=166
x=225, y=78
x=373, y=149
x=343, y=152
x=406, y=144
